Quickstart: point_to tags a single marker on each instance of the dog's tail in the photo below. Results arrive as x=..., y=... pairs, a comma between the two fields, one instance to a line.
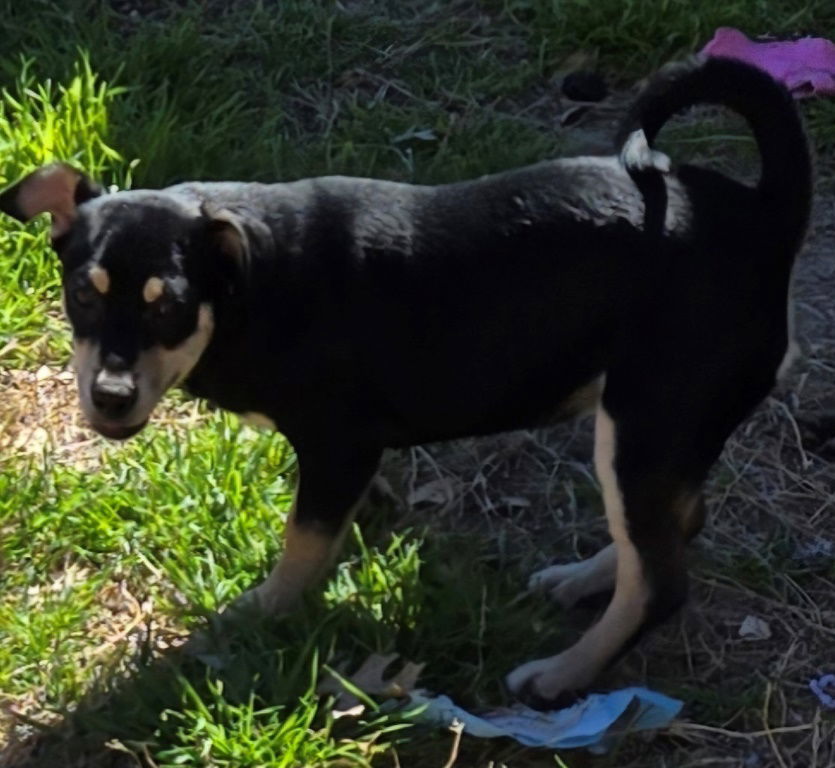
x=785, y=185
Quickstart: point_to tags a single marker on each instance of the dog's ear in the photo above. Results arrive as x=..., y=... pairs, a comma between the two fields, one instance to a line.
x=227, y=232
x=56, y=189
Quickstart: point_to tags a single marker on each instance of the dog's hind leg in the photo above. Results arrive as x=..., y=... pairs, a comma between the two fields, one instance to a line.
x=568, y=583
x=332, y=484
x=643, y=496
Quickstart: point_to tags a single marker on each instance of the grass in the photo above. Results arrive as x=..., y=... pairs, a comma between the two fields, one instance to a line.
x=109, y=554
x=646, y=34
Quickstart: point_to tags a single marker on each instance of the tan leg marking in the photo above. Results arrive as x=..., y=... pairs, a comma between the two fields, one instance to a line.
x=307, y=555
x=100, y=278
x=793, y=351
x=579, y=665
x=570, y=582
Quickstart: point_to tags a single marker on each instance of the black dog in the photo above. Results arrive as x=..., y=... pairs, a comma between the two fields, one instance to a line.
x=355, y=314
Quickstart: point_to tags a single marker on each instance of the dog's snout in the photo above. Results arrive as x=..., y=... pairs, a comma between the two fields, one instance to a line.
x=114, y=393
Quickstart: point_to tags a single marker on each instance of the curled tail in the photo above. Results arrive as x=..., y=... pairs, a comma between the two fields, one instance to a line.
x=785, y=185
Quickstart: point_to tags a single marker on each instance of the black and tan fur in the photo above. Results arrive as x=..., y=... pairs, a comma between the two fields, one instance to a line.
x=356, y=314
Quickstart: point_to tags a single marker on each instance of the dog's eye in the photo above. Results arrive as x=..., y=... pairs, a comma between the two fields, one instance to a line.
x=162, y=307
x=84, y=296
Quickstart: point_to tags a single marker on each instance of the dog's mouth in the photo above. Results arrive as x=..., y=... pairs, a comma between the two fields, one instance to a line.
x=118, y=431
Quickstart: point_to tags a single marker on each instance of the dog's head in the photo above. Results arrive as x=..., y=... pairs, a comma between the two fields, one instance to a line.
x=139, y=273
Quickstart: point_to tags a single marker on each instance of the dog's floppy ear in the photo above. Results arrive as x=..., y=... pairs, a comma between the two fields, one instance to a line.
x=230, y=240
x=227, y=232
x=57, y=189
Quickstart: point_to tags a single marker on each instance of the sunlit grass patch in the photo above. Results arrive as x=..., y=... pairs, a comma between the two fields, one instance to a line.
x=165, y=534
x=40, y=122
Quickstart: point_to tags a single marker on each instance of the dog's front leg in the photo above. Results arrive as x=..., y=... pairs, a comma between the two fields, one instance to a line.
x=332, y=483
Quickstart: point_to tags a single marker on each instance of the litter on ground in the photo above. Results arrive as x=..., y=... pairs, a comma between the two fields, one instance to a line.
x=594, y=722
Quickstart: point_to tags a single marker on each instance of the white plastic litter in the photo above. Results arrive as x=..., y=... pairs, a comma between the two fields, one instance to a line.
x=594, y=722
x=754, y=628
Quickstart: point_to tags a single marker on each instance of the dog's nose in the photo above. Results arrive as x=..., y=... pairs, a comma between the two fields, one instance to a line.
x=114, y=393
x=114, y=363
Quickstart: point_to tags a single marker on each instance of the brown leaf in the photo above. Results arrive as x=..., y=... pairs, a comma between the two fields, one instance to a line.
x=369, y=679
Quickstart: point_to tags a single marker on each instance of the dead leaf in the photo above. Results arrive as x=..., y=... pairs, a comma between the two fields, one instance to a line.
x=369, y=679
x=441, y=491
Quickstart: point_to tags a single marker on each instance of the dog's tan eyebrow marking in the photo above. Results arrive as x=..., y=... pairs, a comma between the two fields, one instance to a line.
x=100, y=278
x=153, y=289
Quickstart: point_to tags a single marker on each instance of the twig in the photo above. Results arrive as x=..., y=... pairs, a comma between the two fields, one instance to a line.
x=769, y=733
x=457, y=728
x=746, y=735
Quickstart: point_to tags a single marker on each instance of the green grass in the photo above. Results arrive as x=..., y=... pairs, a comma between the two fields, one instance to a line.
x=635, y=36
x=174, y=524
x=41, y=121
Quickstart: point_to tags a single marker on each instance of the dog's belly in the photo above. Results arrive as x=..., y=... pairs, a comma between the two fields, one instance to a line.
x=547, y=402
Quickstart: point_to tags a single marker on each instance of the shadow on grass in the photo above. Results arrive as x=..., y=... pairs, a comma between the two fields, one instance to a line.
x=250, y=699
x=152, y=709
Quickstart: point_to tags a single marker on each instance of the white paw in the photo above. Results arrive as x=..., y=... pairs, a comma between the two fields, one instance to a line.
x=524, y=676
x=568, y=583
x=553, y=575
x=546, y=679
x=565, y=584
x=569, y=592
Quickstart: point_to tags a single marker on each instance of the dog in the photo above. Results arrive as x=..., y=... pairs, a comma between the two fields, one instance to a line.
x=356, y=314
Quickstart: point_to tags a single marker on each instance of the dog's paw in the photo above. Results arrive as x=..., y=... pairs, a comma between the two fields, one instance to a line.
x=572, y=582
x=564, y=584
x=210, y=645
x=546, y=684
x=213, y=644
x=637, y=156
x=246, y=607
x=271, y=599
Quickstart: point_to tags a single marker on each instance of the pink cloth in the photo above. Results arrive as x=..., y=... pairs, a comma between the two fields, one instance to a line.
x=806, y=66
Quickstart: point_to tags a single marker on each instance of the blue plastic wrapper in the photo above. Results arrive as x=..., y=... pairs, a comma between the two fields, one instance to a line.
x=824, y=689
x=594, y=722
